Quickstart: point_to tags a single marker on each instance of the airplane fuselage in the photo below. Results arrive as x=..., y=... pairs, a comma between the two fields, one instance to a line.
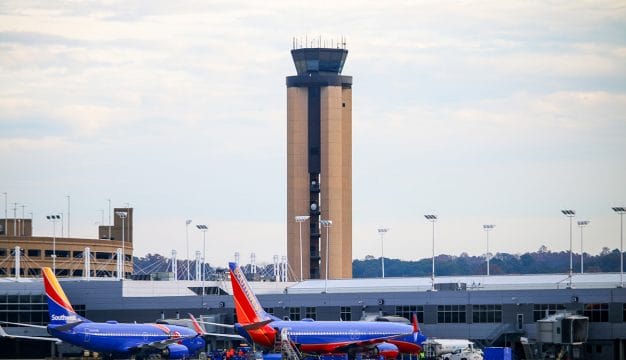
x=327, y=336
x=119, y=338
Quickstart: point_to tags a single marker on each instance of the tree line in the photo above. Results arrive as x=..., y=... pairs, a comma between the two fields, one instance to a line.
x=542, y=261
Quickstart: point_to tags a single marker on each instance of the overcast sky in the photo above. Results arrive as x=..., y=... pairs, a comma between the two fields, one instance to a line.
x=480, y=112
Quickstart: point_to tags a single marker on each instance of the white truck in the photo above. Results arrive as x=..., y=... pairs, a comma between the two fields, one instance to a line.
x=451, y=349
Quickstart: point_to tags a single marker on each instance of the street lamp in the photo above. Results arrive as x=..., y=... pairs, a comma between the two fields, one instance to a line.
x=203, y=228
x=433, y=219
x=53, y=219
x=300, y=219
x=15, y=219
x=488, y=228
x=327, y=224
x=68, y=216
x=109, y=200
x=382, y=232
x=22, y=221
x=621, y=210
x=582, y=224
x=187, y=222
x=6, y=220
x=122, y=215
x=570, y=214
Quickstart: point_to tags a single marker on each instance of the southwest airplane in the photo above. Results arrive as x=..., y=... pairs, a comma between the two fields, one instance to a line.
x=112, y=338
x=320, y=337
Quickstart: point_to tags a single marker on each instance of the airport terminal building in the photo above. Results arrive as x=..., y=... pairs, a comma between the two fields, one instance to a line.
x=494, y=310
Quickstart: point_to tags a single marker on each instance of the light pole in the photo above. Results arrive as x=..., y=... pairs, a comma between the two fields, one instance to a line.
x=487, y=228
x=300, y=219
x=6, y=220
x=621, y=210
x=15, y=219
x=582, y=224
x=203, y=228
x=570, y=214
x=327, y=224
x=432, y=219
x=53, y=219
x=382, y=232
x=68, y=216
x=187, y=237
x=22, y=222
x=123, y=215
x=109, y=200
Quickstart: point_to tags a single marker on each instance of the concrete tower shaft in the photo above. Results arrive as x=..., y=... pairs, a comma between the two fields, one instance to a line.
x=319, y=163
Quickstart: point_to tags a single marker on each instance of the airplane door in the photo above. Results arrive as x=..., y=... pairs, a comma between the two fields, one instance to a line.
x=145, y=336
x=87, y=335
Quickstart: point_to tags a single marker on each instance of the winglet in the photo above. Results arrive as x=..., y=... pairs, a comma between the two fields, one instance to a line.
x=196, y=326
x=416, y=325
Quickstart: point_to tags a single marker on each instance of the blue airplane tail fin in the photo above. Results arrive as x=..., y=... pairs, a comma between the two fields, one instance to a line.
x=59, y=307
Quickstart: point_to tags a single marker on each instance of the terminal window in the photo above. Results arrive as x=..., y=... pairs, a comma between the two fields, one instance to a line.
x=447, y=314
x=597, y=312
x=34, y=253
x=541, y=311
x=269, y=310
x=294, y=313
x=28, y=308
x=407, y=311
x=346, y=313
x=59, y=253
x=487, y=313
x=310, y=313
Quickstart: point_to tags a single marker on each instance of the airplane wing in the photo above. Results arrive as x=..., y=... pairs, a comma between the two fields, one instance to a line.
x=226, y=336
x=42, y=338
x=161, y=344
x=23, y=324
x=200, y=331
x=216, y=324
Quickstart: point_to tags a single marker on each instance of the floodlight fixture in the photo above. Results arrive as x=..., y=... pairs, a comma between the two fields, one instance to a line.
x=382, y=232
x=432, y=218
x=53, y=218
x=187, y=222
x=570, y=214
x=582, y=224
x=300, y=219
x=327, y=224
x=204, y=229
x=621, y=210
x=487, y=228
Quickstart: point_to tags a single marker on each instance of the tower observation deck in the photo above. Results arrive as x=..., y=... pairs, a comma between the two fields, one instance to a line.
x=319, y=163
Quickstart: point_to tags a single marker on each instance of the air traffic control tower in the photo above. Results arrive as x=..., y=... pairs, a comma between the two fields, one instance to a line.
x=319, y=164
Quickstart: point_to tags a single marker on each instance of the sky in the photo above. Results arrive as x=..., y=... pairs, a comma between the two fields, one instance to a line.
x=489, y=112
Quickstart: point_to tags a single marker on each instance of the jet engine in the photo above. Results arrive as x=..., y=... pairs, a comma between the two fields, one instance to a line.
x=176, y=351
x=387, y=350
